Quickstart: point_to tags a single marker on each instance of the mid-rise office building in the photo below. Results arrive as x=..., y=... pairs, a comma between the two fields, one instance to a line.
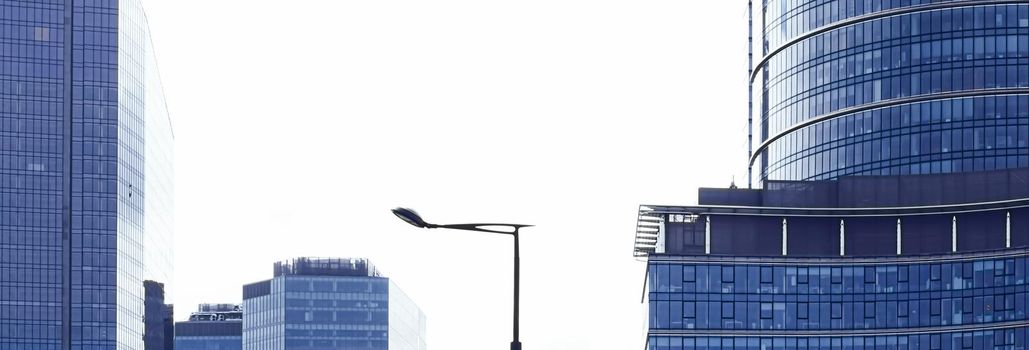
x=211, y=327
x=85, y=175
x=318, y=303
x=892, y=200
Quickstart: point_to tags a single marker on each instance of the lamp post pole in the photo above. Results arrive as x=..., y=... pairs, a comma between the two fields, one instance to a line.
x=412, y=217
x=516, y=344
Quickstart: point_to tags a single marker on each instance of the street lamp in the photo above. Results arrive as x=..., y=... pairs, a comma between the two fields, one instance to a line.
x=412, y=217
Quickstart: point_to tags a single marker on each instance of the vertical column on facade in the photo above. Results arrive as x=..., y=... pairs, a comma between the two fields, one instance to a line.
x=843, y=238
x=898, y=237
x=707, y=234
x=66, y=214
x=659, y=246
x=784, y=236
x=954, y=234
x=1007, y=232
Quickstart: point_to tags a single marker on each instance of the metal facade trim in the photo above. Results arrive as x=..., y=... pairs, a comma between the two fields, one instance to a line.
x=839, y=261
x=840, y=333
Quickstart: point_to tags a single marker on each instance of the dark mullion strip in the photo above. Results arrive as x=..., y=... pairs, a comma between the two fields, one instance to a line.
x=66, y=307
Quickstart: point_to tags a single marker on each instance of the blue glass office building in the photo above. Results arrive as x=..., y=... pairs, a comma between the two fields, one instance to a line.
x=212, y=327
x=893, y=202
x=318, y=303
x=85, y=175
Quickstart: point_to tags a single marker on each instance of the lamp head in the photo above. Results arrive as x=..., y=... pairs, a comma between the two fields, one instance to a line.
x=410, y=216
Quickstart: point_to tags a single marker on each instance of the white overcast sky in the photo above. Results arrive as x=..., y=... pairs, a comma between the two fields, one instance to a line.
x=300, y=123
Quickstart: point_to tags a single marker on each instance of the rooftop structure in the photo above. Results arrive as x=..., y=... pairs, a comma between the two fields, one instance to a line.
x=851, y=216
x=326, y=267
x=218, y=312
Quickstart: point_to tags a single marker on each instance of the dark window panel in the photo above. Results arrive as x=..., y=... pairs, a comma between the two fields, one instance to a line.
x=1020, y=227
x=981, y=230
x=870, y=236
x=813, y=236
x=746, y=235
x=926, y=234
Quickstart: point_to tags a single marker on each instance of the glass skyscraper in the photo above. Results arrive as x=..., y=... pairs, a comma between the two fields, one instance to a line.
x=893, y=202
x=319, y=303
x=85, y=175
x=891, y=87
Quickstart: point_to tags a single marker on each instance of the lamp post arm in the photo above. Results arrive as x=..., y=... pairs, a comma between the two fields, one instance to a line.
x=482, y=227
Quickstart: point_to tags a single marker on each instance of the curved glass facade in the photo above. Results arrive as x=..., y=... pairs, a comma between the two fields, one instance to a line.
x=883, y=87
x=961, y=302
x=788, y=19
x=932, y=137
